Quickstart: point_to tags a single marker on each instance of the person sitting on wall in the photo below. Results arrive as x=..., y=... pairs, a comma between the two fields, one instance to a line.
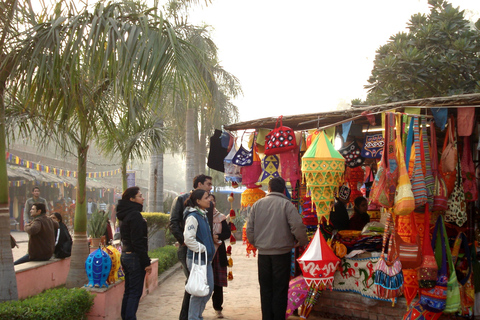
x=63, y=240
x=41, y=243
x=339, y=217
x=360, y=216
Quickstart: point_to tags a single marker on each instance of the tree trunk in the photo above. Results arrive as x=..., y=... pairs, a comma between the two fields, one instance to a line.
x=155, y=187
x=124, y=175
x=190, y=148
x=8, y=281
x=77, y=276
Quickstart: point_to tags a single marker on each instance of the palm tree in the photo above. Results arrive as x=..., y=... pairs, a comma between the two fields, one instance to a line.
x=73, y=65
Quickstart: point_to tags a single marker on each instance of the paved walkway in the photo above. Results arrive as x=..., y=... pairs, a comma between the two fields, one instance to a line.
x=241, y=297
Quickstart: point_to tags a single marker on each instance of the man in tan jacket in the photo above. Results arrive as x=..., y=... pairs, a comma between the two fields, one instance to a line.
x=41, y=230
x=274, y=227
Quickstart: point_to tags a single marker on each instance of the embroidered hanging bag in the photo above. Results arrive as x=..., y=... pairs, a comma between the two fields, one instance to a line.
x=352, y=155
x=385, y=183
x=448, y=160
x=388, y=271
x=280, y=139
x=410, y=253
x=453, y=287
x=434, y=299
x=418, y=179
x=428, y=270
x=440, y=195
x=404, y=199
x=457, y=206
x=373, y=145
x=468, y=172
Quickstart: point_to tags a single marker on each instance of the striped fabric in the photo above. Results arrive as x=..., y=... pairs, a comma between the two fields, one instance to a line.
x=429, y=178
x=418, y=179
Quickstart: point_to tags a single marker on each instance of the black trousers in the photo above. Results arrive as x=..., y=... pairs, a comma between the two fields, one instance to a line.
x=217, y=298
x=274, y=276
x=182, y=257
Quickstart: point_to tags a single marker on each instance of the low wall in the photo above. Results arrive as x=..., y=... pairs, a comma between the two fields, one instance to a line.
x=108, y=301
x=35, y=277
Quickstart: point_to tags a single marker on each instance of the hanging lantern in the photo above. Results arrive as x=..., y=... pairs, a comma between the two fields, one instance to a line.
x=251, y=195
x=352, y=177
x=322, y=168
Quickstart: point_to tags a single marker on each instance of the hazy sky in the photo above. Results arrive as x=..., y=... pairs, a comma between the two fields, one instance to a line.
x=305, y=56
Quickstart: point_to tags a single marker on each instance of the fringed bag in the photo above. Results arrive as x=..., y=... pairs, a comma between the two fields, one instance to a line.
x=418, y=179
x=440, y=195
x=388, y=271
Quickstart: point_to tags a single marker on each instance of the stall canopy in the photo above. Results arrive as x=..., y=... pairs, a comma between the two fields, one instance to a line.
x=333, y=118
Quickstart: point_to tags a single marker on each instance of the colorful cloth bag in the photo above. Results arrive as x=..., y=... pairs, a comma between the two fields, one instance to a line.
x=428, y=270
x=404, y=198
x=410, y=253
x=467, y=291
x=468, y=172
x=388, y=272
x=448, y=161
x=373, y=145
x=440, y=195
x=352, y=155
x=418, y=312
x=425, y=152
x=435, y=299
x=280, y=139
x=457, y=206
x=418, y=179
x=385, y=183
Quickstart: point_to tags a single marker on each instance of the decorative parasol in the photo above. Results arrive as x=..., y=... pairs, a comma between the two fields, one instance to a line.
x=322, y=168
x=297, y=293
x=318, y=264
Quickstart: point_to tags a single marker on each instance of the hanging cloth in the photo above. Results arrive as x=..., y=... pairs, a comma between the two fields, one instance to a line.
x=465, y=121
x=232, y=171
x=270, y=166
x=217, y=152
x=289, y=167
x=468, y=171
x=427, y=164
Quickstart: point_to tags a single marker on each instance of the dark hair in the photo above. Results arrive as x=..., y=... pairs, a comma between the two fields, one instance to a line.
x=130, y=193
x=58, y=216
x=196, y=194
x=200, y=179
x=40, y=206
x=277, y=184
x=213, y=196
x=36, y=187
x=359, y=200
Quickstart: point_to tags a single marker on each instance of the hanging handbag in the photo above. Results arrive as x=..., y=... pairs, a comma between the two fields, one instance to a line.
x=418, y=179
x=448, y=160
x=352, y=155
x=197, y=284
x=409, y=253
x=280, y=139
x=453, y=287
x=428, y=270
x=468, y=172
x=388, y=274
x=243, y=157
x=435, y=299
x=404, y=199
x=373, y=145
x=385, y=183
x=464, y=275
x=440, y=192
x=457, y=206
x=425, y=155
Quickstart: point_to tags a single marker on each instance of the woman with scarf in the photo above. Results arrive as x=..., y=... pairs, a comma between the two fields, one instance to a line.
x=198, y=238
x=221, y=232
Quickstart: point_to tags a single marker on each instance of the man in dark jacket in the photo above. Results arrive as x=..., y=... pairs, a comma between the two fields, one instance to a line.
x=42, y=229
x=177, y=224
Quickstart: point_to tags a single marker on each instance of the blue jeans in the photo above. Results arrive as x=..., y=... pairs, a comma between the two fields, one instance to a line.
x=197, y=304
x=23, y=259
x=134, y=279
x=182, y=257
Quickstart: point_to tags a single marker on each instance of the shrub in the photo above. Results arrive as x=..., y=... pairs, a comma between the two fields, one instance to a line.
x=167, y=257
x=60, y=303
x=156, y=221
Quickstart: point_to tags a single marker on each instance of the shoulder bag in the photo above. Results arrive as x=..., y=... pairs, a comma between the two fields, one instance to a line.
x=468, y=172
x=388, y=272
x=197, y=284
x=464, y=275
x=280, y=139
x=440, y=192
x=410, y=253
x=373, y=145
x=457, y=206
x=448, y=160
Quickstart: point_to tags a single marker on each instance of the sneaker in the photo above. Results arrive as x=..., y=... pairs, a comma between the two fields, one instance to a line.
x=219, y=314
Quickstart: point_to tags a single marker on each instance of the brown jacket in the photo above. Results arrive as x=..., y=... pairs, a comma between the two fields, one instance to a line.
x=42, y=237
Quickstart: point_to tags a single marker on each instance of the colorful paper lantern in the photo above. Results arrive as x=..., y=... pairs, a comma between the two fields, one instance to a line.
x=322, y=169
x=250, y=196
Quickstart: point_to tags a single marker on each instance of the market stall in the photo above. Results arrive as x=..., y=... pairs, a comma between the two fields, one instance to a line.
x=414, y=165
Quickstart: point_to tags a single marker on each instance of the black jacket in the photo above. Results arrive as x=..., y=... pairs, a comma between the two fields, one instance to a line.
x=177, y=222
x=222, y=250
x=63, y=248
x=133, y=230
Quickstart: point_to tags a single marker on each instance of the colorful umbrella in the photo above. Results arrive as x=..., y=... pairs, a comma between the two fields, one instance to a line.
x=323, y=168
x=297, y=293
